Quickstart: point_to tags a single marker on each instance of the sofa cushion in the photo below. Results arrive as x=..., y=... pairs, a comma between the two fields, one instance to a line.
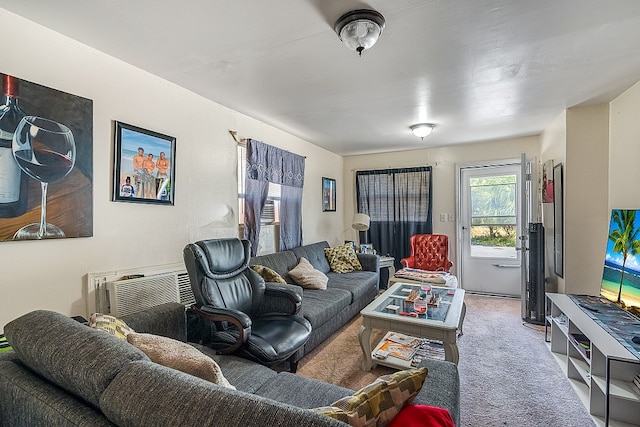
x=280, y=262
x=380, y=401
x=178, y=355
x=268, y=274
x=236, y=370
x=77, y=358
x=148, y=394
x=301, y=392
x=110, y=324
x=308, y=277
x=314, y=253
x=342, y=258
x=362, y=285
x=318, y=307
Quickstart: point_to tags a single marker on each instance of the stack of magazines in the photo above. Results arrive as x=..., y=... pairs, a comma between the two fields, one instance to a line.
x=4, y=345
x=636, y=381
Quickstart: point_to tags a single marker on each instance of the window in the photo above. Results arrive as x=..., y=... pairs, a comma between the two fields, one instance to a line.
x=271, y=212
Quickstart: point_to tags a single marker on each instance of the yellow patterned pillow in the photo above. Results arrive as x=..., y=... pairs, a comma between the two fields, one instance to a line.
x=380, y=401
x=268, y=274
x=343, y=259
x=110, y=325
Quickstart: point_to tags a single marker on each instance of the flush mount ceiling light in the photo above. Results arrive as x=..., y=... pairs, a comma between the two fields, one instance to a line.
x=360, y=29
x=422, y=129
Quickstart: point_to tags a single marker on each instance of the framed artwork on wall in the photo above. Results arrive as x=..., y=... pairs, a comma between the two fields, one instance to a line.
x=558, y=222
x=144, y=168
x=328, y=195
x=547, y=182
x=46, y=162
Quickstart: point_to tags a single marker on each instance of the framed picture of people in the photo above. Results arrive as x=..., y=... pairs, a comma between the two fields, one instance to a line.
x=144, y=166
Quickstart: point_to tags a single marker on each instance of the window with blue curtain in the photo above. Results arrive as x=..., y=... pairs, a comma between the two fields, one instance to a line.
x=398, y=201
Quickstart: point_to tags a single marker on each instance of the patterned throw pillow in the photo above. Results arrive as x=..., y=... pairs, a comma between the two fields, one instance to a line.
x=380, y=401
x=179, y=356
x=343, y=259
x=308, y=277
x=268, y=274
x=110, y=325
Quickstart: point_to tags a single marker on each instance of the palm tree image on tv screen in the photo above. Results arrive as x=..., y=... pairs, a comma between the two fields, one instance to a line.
x=621, y=274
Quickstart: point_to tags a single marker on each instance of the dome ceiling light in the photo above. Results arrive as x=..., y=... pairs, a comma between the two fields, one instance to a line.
x=360, y=29
x=422, y=129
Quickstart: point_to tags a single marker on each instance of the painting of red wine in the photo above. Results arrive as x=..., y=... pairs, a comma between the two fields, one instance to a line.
x=46, y=150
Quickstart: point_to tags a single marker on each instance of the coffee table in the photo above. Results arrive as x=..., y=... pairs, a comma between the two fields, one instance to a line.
x=439, y=323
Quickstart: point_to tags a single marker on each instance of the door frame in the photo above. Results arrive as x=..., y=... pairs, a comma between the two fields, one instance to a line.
x=479, y=164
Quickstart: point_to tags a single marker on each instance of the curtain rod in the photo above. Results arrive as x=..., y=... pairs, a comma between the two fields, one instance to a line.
x=243, y=141
x=396, y=167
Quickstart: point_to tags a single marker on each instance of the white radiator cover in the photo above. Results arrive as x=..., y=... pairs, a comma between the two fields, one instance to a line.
x=112, y=293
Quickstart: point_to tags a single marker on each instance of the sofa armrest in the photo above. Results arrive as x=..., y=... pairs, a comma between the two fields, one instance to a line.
x=168, y=320
x=281, y=298
x=441, y=388
x=369, y=262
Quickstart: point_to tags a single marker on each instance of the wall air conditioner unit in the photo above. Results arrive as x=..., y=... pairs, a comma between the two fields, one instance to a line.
x=133, y=295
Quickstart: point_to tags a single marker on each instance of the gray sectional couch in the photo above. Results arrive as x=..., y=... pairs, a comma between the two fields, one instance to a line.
x=346, y=294
x=63, y=373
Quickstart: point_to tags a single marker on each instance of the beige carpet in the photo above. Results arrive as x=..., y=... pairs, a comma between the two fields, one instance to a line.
x=508, y=376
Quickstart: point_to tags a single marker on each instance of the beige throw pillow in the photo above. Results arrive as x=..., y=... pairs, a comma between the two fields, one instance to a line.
x=179, y=356
x=308, y=277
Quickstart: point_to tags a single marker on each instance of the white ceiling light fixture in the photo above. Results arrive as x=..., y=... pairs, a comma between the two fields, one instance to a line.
x=360, y=29
x=422, y=129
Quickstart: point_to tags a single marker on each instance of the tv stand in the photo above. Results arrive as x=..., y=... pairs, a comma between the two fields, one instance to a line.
x=581, y=347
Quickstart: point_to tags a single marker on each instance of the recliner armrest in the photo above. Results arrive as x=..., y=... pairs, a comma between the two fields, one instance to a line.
x=281, y=298
x=241, y=321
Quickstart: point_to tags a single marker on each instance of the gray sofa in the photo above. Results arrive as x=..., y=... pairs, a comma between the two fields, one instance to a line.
x=63, y=373
x=346, y=294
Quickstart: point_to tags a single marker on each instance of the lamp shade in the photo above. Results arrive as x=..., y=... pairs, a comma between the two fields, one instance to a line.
x=361, y=222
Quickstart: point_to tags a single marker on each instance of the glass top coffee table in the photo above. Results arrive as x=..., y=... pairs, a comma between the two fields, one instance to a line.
x=392, y=312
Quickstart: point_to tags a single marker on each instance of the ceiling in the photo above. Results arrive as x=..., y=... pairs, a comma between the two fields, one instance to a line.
x=478, y=69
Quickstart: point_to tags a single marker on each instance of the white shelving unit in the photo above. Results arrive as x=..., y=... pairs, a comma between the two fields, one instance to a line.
x=586, y=368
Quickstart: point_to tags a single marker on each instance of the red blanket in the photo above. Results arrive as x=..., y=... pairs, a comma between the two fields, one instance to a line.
x=422, y=416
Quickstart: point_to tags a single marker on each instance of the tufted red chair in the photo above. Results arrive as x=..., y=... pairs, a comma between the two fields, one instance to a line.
x=428, y=252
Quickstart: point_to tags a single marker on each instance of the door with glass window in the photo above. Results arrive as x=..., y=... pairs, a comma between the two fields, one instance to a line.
x=489, y=227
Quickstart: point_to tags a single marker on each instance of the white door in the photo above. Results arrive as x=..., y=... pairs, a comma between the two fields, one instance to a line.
x=489, y=228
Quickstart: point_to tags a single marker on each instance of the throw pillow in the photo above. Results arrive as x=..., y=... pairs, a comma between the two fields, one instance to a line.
x=422, y=416
x=343, y=259
x=268, y=274
x=179, y=356
x=308, y=277
x=380, y=401
x=110, y=325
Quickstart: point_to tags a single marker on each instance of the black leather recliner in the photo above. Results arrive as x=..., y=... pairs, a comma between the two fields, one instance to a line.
x=245, y=315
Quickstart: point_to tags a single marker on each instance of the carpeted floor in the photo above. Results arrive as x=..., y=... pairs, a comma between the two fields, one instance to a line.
x=508, y=376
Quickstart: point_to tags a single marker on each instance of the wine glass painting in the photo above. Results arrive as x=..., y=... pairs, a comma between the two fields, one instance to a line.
x=45, y=150
x=46, y=144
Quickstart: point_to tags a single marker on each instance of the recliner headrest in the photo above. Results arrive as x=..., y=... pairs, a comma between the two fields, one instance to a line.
x=222, y=258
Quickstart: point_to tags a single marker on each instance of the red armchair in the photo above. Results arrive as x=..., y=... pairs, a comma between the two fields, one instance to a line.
x=428, y=252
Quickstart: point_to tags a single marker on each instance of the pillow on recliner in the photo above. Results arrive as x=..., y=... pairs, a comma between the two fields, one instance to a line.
x=179, y=356
x=308, y=277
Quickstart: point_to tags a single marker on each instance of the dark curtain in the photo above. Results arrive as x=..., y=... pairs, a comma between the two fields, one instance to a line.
x=265, y=164
x=398, y=201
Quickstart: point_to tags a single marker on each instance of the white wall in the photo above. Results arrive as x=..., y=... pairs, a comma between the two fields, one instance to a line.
x=51, y=274
x=443, y=160
x=553, y=143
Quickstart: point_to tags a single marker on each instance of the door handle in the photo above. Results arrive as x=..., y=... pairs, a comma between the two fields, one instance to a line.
x=507, y=265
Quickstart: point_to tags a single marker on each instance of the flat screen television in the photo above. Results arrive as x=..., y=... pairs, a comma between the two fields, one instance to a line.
x=621, y=274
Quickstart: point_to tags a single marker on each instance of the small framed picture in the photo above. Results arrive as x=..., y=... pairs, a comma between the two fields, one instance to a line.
x=366, y=248
x=328, y=195
x=144, y=166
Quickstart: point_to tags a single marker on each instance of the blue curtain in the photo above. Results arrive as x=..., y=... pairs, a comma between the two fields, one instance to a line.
x=266, y=163
x=398, y=201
